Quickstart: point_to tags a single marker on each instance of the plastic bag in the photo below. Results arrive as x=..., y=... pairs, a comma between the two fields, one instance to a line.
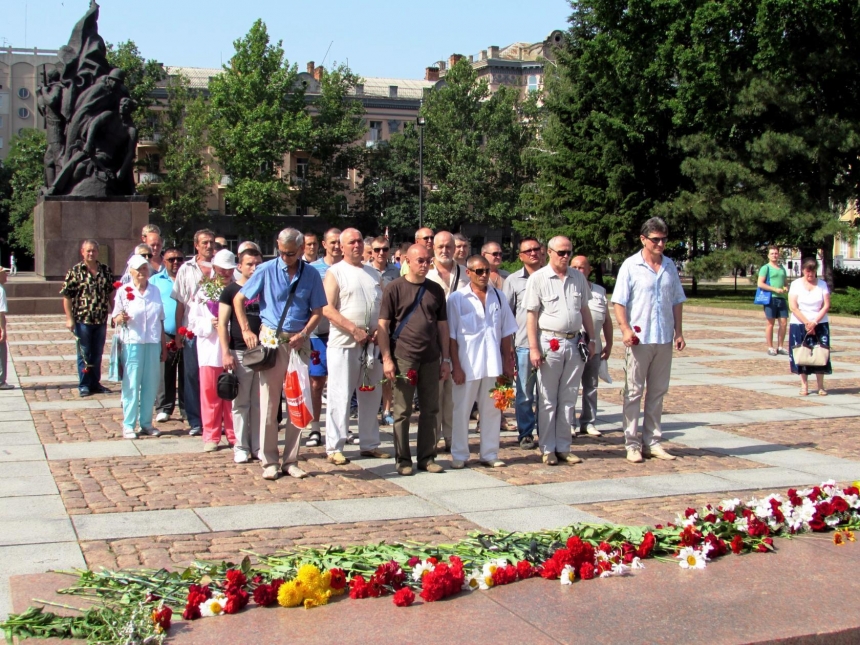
x=115, y=370
x=603, y=371
x=297, y=388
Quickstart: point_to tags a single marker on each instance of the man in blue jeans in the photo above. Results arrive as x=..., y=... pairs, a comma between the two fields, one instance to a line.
x=515, y=289
x=87, y=292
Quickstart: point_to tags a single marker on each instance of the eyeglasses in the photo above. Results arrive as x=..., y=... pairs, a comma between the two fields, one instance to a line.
x=287, y=254
x=495, y=254
x=427, y=237
x=534, y=249
x=384, y=249
x=148, y=256
x=174, y=260
x=479, y=271
x=563, y=253
x=656, y=240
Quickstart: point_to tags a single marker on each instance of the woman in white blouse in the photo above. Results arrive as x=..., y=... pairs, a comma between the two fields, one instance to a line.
x=139, y=314
x=809, y=302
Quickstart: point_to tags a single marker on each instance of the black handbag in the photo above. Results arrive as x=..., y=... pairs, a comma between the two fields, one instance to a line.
x=228, y=386
x=262, y=358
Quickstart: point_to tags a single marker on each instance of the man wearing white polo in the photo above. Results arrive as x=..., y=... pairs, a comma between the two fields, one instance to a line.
x=480, y=324
x=557, y=305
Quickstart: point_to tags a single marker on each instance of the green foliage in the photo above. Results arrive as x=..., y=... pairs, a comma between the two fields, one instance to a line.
x=25, y=163
x=258, y=114
x=722, y=262
x=846, y=303
x=5, y=195
x=141, y=77
x=846, y=277
x=184, y=181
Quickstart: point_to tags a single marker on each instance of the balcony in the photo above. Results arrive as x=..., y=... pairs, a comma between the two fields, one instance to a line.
x=148, y=178
x=149, y=140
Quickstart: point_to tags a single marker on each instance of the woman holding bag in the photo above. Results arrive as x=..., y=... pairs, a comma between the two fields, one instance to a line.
x=809, y=301
x=139, y=314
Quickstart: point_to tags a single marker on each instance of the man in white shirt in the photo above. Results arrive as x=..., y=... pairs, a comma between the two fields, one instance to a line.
x=353, y=293
x=451, y=277
x=480, y=325
x=602, y=321
x=557, y=305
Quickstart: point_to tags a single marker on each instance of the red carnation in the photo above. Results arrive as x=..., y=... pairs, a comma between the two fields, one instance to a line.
x=182, y=331
x=358, y=588
x=637, y=328
x=526, y=570
x=647, y=546
x=729, y=516
x=851, y=490
x=338, y=579
x=504, y=575
x=236, y=578
x=839, y=505
x=236, y=601
x=554, y=345
x=129, y=289
x=130, y=297
x=718, y=546
x=117, y=284
x=404, y=597
x=737, y=544
x=162, y=617
x=189, y=335
x=315, y=357
x=265, y=596
x=413, y=561
x=412, y=377
x=586, y=571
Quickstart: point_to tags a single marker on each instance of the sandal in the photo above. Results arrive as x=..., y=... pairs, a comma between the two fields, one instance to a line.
x=822, y=392
x=314, y=439
x=804, y=391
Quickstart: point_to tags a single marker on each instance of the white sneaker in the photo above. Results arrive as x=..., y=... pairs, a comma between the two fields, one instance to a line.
x=128, y=433
x=162, y=417
x=591, y=430
x=240, y=456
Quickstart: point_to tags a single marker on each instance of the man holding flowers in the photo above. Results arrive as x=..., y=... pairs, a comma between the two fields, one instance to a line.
x=480, y=329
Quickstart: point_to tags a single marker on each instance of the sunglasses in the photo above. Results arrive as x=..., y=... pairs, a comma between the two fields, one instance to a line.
x=287, y=254
x=656, y=240
x=562, y=254
x=427, y=237
x=384, y=249
x=174, y=259
x=479, y=271
x=534, y=249
x=148, y=256
x=495, y=254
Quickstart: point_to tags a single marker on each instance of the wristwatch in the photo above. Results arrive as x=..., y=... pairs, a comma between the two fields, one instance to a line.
x=447, y=360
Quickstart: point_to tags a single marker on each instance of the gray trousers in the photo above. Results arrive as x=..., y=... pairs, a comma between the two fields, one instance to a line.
x=588, y=413
x=444, y=421
x=3, y=362
x=246, y=408
x=558, y=386
x=648, y=366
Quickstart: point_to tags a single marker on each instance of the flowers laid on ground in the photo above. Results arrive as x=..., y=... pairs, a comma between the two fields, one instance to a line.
x=139, y=602
x=503, y=394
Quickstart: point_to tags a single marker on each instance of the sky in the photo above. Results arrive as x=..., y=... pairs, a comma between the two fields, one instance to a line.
x=377, y=39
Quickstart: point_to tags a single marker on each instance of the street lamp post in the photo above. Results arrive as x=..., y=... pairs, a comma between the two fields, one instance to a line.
x=421, y=121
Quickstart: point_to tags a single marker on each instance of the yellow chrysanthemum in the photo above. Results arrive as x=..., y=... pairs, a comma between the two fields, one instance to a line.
x=317, y=599
x=325, y=580
x=310, y=576
x=289, y=595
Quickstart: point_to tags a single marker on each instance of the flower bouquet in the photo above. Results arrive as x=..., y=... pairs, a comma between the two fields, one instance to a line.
x=210, y=292
x=503, y=394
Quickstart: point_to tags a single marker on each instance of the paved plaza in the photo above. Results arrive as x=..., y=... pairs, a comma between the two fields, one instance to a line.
x=74, y=493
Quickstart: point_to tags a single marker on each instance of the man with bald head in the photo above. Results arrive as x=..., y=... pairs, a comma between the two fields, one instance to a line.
x=556, y=303
x=353, y=293
x=492, y=251
x=451, y=277
x=413, y=337
x=602, y=321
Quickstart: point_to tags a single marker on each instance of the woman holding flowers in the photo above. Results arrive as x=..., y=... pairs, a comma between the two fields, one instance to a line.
x=139, y=314
x=203, y=323
x=809, y=301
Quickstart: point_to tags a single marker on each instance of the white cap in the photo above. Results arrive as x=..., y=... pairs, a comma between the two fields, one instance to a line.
x=224, y=259
x=137, y=261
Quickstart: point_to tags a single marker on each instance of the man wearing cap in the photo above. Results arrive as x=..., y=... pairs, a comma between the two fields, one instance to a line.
x=184, y=289
x=557, y=304
x=277, y=283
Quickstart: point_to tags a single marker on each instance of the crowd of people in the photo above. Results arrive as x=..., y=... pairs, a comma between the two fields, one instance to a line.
x=436, y=330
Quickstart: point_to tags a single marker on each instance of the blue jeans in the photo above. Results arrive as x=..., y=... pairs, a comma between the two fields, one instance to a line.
x=192, y=383
x=525, y=401
x=92, y=339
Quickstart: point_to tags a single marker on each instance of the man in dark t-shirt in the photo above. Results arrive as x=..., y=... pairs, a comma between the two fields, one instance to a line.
x=412, y=361
x=246, y=406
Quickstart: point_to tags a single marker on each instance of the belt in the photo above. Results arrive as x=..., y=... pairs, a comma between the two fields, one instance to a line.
x=562, y=334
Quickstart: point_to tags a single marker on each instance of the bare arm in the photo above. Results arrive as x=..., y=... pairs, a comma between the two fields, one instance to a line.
x=588, y=325
x=2, y=326
x=297, y=340
x=227, y=359
x=248, y=336
x=607, y=335
x=330, y=311
x=180, y=315
x=508, y=356
x=678, y=316
x=382, y=339
x=534, y=348
x=457, y=373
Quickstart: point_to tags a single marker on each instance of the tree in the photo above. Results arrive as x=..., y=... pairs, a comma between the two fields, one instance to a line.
x=336, y=125
x=184, y=182
x=25, y=162
x=141, y=78
x=257, y=115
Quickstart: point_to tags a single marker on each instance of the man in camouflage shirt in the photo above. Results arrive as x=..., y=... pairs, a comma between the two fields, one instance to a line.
x=87, y=292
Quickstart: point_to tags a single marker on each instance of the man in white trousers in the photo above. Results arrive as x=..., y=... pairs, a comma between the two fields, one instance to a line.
x=354, y=293
x=480, y=325
x=557, y=304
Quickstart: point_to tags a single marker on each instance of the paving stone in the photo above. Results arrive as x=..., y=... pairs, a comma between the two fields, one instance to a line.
x=766, y=478
x=91, y=450
x=532, y=518
x=28, y=486
x=13, y=404
x=23, y=508
x=65, y=405
x=678, y=484
x=258, y=516
x=28, y=438
x=16, y=415
x=169, y=446
x=424, y=484
x=379, y=509
x=7, y=427
x=21, y=453
x=35, y=558
x=489, y=499
x=12, y=470
x=592, y=491
x=36, y=530
x=122, y=525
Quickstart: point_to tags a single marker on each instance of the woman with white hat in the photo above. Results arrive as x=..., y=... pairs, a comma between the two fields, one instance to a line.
x=203, y=322
x=139, y=315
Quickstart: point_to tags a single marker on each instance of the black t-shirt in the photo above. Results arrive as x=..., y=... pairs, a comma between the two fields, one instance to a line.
x=419, y=339
x=252, y=310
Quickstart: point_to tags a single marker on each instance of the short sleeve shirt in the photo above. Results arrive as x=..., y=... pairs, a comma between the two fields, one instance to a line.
x=775, y=277
x=419, y=339
x=456, y=279
x=271, y=284
x=90, y=294
x=479, y=329
x=515, y=291
x=252, y=311
x=4, y=306
x=185, y=286
x=557, y=300
x=809, y=301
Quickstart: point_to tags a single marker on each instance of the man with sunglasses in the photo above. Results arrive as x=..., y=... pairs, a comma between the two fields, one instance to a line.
x=423, y=237
x=173, y=368
x=648, y=302
x=556, y=302
x=515, y=291
x=271, y=283
x=492, y=251
x=387, y=273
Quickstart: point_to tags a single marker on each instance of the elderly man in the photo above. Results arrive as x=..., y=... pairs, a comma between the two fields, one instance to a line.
x=172, y=369
x=515, y=292
x=557, y=305
x=481, y=325
x=602, y=321
x=220, y=243
x=451, y=277
x=145, y=251
x=462, y=248
x=155, y=243
x=353, y=293
x=648, y=302
x=492, y=251
x=312, y=247
x=184, y=288
x=412, y=336
x=368, y=250
x=86, y=293
x=291, y=298
x=333, y=253
x=380, y=248
x=423, y=237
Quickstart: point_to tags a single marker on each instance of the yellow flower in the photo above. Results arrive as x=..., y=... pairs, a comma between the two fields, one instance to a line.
x=325, y=580
x=310, y=576
x=289, y=595
x=837, y=539
x=317, y=599
x=850, y=536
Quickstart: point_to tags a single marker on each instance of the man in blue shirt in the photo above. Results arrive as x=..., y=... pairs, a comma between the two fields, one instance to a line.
x=649, y=304
x=272, y=283
x=174, y=366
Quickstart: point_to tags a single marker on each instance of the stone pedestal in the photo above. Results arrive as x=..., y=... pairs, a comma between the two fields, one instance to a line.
x=61, y=223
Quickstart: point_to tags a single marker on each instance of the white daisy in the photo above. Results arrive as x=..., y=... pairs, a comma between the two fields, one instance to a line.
x=691, y=559
x=568, y=575
x=421, y=569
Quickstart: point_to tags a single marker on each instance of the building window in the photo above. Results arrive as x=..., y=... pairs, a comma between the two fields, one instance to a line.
x=533, y=83
x=23, y=93
x=1, y=143
x=301, y=168
x=375, y=131
x=302, y=211
x=393, y=127
x=24, y=113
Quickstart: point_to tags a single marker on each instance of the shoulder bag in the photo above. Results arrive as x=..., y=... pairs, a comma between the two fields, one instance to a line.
x=407, y=316
x=762, y=296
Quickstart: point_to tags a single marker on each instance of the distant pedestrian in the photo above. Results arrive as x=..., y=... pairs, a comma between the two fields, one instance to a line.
x=13, y=264
x=86, y=293
x=4, y=308
x=772, y=277
x=809, y=299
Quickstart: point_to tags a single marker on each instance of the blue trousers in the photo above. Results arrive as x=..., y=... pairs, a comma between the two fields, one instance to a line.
x=192, y=384
x=525, y=401
x=92, y=338
x=139, y=382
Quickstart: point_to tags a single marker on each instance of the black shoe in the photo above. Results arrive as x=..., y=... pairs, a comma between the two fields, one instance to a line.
x=84, y=392
x=101, y=389
x=527, y=443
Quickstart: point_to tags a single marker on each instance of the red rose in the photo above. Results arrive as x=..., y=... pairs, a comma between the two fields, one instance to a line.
x=404, y=597
x=182, y=331
x=130, y=297
x=315, y=357
x=839, y=505
x=729, y=516
x=647, y=546
x=413, y=561
x=189, y=335
x=554, y=345
x=637, y=328
x=851, y=490
x=117, y=284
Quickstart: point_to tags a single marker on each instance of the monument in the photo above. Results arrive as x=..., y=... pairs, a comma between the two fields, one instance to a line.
x=89, y=182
